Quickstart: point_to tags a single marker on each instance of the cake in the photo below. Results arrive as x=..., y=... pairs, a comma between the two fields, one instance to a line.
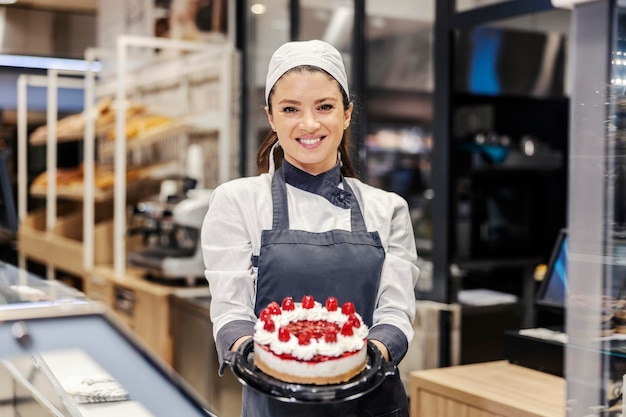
x=308, y=343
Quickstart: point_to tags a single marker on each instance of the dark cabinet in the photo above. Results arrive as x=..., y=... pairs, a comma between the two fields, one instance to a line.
x=500, y=134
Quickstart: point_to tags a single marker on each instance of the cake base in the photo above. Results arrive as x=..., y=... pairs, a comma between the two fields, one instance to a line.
x=309, y=373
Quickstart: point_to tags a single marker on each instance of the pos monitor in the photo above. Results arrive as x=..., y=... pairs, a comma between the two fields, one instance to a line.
x=554, y=287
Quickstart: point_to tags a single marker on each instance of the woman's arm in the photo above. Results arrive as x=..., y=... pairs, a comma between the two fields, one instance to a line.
x=395, y=310
x=227, y=251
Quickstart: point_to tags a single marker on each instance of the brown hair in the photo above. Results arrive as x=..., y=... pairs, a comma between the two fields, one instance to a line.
x=263, y=155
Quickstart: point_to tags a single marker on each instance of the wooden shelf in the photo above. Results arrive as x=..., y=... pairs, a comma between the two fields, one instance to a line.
x=63, y=247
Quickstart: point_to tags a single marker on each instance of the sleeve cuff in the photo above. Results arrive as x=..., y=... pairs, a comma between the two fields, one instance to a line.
x=228, y=335
x=393, y=338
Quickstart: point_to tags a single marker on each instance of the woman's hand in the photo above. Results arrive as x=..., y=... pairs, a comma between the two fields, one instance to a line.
x=238, y=343
x=382, y=348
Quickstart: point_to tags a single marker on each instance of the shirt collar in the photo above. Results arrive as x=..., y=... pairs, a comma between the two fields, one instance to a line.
x=325, y=184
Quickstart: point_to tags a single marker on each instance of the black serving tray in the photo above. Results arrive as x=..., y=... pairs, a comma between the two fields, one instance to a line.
x=376, y=370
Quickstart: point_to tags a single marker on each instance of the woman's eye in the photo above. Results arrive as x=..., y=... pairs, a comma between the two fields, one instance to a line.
x=326, y=107
x=289, y=109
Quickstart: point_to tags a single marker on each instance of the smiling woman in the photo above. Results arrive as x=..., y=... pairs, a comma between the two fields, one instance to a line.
x=306, y=227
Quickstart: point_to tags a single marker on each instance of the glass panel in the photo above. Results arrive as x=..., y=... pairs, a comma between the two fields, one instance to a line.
x=399, y=38
x=268, y=27
x=330, y=21
x=596, y=305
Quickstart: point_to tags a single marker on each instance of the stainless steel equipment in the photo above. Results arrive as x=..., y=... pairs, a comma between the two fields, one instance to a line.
x=170, y=225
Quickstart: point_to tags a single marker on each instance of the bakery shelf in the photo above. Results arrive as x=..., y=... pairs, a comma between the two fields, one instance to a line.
x=63, y=246
x=199, y=76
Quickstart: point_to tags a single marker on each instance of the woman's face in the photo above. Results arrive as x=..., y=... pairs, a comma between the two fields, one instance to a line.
x=309, y=119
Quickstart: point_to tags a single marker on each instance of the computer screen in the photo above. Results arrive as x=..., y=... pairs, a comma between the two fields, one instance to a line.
x=8, y=212
x=553, y=290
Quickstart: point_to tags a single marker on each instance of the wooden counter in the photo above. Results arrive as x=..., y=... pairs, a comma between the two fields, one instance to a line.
x=144, y=306
x=491, y=389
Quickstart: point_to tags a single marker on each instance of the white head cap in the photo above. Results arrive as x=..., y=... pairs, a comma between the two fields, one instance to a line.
x=315, y=52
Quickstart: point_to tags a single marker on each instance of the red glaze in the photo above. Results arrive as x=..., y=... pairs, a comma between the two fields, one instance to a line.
x=288, y=304
x=332, y=304
x=317, y=328
x=348, y=308
x=330, y=336
x=308, y=302
x=304, y=338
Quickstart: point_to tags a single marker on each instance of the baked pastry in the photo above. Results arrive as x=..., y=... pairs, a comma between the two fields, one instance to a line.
x=72, y=127
x=619, y=318
x=308, y=343
x=72, y=178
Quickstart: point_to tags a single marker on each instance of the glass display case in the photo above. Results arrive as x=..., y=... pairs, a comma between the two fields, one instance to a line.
x=595, y=362
x=62, y=355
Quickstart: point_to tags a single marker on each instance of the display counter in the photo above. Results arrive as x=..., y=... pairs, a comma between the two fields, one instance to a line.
x=64, y=355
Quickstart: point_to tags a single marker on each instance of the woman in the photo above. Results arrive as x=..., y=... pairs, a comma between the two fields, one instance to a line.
x=364, y=249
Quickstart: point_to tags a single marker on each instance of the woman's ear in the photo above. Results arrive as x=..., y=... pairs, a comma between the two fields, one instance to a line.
x=270, y=118
x=347, y=116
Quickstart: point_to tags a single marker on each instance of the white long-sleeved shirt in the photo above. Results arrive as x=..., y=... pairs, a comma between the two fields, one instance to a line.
x=241, y=209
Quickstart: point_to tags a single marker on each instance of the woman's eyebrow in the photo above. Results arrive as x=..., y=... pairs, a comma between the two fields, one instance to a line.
x=292, y=101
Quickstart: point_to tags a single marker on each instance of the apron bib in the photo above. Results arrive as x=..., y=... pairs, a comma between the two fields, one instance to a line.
x=339, y=263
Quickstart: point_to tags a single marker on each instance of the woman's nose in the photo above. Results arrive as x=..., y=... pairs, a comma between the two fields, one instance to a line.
x=309, y=122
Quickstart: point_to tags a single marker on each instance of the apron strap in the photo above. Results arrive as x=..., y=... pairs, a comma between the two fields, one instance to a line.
x=280, y=218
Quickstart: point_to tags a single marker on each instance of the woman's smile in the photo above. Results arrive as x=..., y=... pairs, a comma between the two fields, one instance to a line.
x=310, y=142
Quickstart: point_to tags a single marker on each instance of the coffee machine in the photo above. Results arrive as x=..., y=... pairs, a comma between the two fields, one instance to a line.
x=170, y=226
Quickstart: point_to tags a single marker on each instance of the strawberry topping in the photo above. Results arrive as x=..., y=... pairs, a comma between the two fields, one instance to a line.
x=283, y=334
x=288, y=304
x=274, y=308
x=269, y=325
x=332, y=304
x=346, y=330
x=348, y=308
x=308, y=302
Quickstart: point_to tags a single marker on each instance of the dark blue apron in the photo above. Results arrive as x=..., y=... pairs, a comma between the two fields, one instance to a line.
x=339, y=263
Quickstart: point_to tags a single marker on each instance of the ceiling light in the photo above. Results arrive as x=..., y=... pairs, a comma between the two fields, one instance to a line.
x=258, y=8
x=36, y=62
x=7, y=1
